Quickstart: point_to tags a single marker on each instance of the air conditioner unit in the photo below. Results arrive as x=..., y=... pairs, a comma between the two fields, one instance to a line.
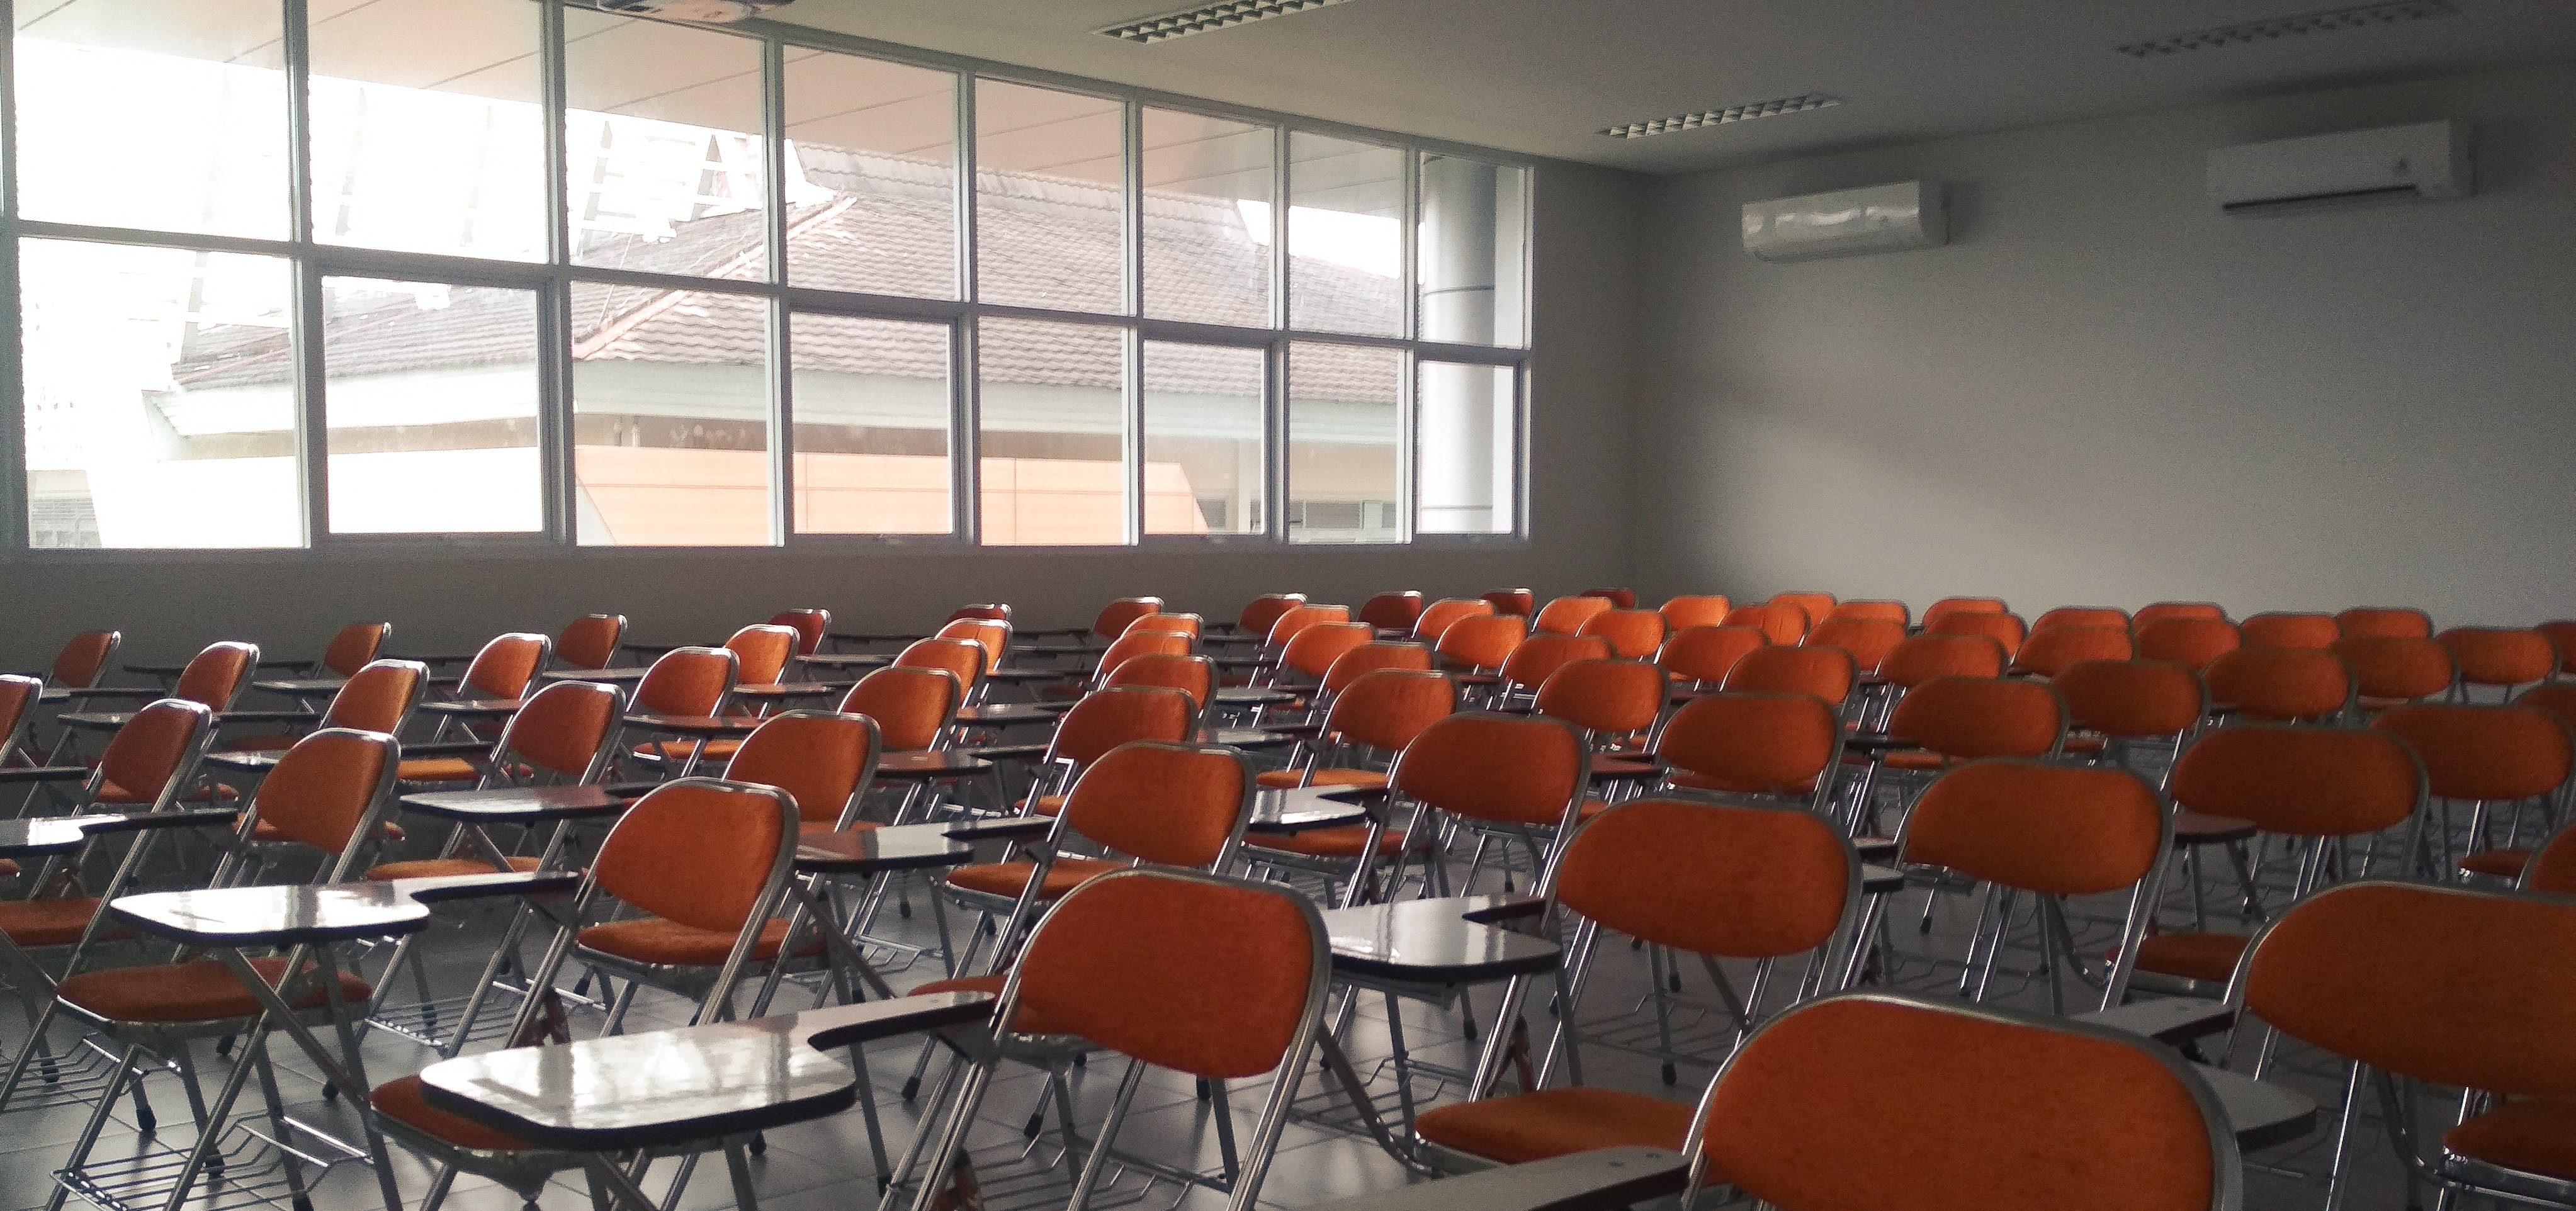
x=717, y=11
x=1879, y=218
x=2421, y=162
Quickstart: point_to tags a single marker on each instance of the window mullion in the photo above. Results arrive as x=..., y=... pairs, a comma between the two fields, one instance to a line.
x=782, y=390
x=554, y=321
x=965, y=376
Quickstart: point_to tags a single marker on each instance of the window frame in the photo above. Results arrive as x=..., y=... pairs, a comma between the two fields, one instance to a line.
x=553, y=279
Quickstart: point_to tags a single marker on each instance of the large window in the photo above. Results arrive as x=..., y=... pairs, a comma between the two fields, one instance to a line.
x=526, y=272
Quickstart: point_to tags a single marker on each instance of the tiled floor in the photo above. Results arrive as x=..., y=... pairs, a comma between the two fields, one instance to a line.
x=824, y=1166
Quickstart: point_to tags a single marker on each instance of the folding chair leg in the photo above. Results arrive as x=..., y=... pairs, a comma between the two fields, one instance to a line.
x=294, y=1169
x=2339, y=1154
x=88, y=1138
x=1094, y=1164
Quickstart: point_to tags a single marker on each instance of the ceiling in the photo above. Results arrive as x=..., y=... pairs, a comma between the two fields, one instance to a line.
x=1542, y=77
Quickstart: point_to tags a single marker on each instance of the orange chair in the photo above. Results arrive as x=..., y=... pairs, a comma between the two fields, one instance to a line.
x=1703, y=656
x=2501, y=658
x=963, y=659
x=1505, y=601
x=590, y=641
x=1616, y=703
x=1121, y=650
x=2318, y=789
x=2131, y=704
x=2561, y=636
x=2189, y=642
x=503, y=668
x=1540, y=656
x=995, y=636
x=84, y=659
x=689, y=683
x=1625, y=599
x=2552, y=869
x=1814, y=605
x=2281, y=685
x=2049, y=650
x=1312, y=652
x=1882, y=611
x=2314, y=632
x=1392, y=611
x=146, y=766
x=1369, y=658
x=1783, y=622
x=1304, y=616
x=1682, y=613
x=913, y=707
x=1566, y=615
x=1104, y=722
x=2384, y=622
x=2164, y=611
x=1948, y=606
x=1191, y=675
x=1950, y=720
x=990, y=611
x=1514, y=779
x=1437, y=616
x=2390, y=669
x=1777, y=746
x=1191, y=625
x=2490, y=758
x=2445, y=988
x=1926, y=656
x=2082, y=616
x=1115, y=617
x=1869, y=640
x=213, y=678
x=1262, y=612
x=824, y=760
x=761, y=652
x=376, y=698
x=563, y=736
x=1633, y=634
x=1378, y=713
x=810, y=625
x=1482, y=644
x=1824, y=673
x=2003, y=628
x=353, y=648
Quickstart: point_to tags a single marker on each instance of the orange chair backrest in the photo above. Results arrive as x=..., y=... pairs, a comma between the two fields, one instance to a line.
x=355, y=645
x=1213, y=978
x=1501, y=769
x=378, y=696
x=1370, y=657
x=688, y=681
x=2166, y=611
x=2552, y=869
x=699, y=852
x=2132, y=699
x=2000, y=1112
x=911, y=705
x=809, y=625
x=1297, y=620
x=84, y=657
x=1191, y=675
x=154, y=751
x=2003, y=628
x=1142, y=643
x=761, y=652
x=1115, y=616
x=1483, y=642
x=215, y=677
x=1566, y=615
x=963, y=659
x=1625, y=599
x=2191, y=642
x=1923, y=657
x=2556, y=697
x=321, y=790
x=1162, y=801
x=1964, y=718
x=1814, y=605
x=1609, y=697
x=991, y=611
x=2384, y=622
x=1540, y=656
x=2315, y=632
x=2449, y=985
x=820, y=758
x=505, y=666
x=2061, y=830
x=994, y=636
x=1512, y=601
x=2561, y=636
x=1314, y=650
x=1633, y=634
x=1166, y=621
x=2500, y=655
x=1108, y=718
x=2484, y=752
x=1718, y=880
x=1826, y=673
x=1387, y=708
x=18, y=696
x=2394, y=668
x=1704, y=610
x=1780, y=623
x=1869, y=640
x=1392, y=611
x=1259, y=613
x=1437, y=616
x=1884, y=611
x=1757, y=744
x=2301, y=781
x=2082, y=616
x=2049, y=650
x=590, y=641
x=1948, y=606
x=2281, y=685
x=1707, y=654
x=564, y=727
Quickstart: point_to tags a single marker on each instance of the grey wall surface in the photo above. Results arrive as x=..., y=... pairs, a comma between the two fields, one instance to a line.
x=1582, y=331
x=2104, y=391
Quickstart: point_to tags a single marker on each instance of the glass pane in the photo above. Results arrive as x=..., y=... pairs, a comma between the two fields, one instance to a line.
x=1203, y=448
x=430, y=393
x=871, y=175
x=663, y=147
x=1344, y=476
x=871, y=426
x=1465, y=460
x=1054, y=435
x=1471, y=247
x=1049, y=225
x=429, y=127
x=160, y=398
x=1207, y=219
x=1345, y=236
x=670, y=417
x=144, y=113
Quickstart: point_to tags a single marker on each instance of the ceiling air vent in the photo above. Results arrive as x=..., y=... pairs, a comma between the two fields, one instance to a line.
x=1720, y=117
x=1206, y=17
x=2270, y=29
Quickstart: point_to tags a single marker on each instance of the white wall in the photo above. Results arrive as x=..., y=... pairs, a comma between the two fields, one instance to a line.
x=1583, y=341
x=2104, y=391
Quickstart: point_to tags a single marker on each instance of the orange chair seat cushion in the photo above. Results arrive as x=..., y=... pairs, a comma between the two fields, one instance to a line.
x=202, y=991
x=1289, y=779
x=402, y=1102
x=1008, y=879
x=439, y=769
x=679, y=750
x=52, y=922
x=671, y=944
x=2192, y=956
x=1556, y=1122
x=444, y=868
x=1043, y=805
x=2536, y=1135
x=1343, y=841
x=2502, y=863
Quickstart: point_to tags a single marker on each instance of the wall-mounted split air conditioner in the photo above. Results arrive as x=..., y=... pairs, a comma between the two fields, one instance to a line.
x=1878, y=218
x=2422, y=162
